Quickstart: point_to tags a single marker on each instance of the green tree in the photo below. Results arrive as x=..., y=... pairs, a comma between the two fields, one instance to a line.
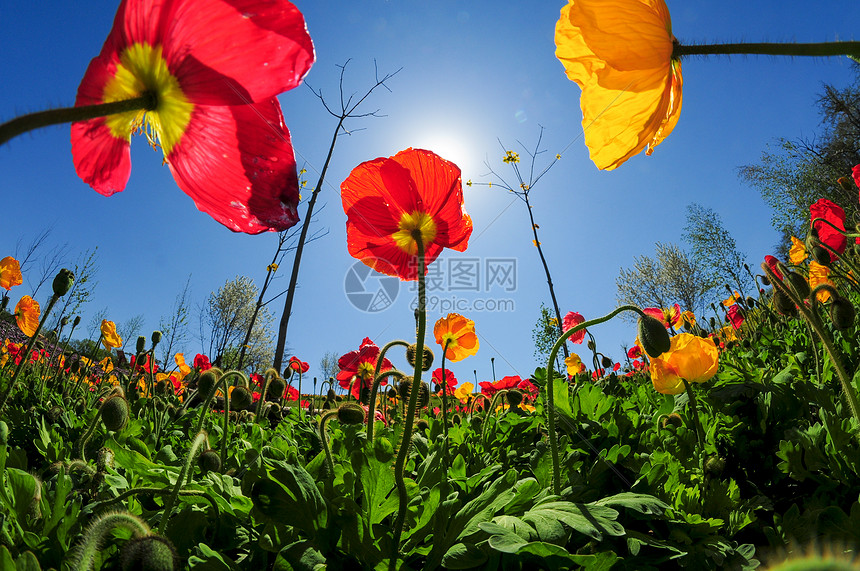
x=225, y=318
x=792, y=174
x=545, y=334
x=716, y=251
x=672, y=276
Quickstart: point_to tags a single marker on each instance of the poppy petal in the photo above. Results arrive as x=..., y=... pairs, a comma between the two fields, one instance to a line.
x=237, y=164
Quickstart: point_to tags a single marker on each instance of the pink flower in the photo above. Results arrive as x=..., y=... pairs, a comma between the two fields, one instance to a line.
x=571, y=320
x=735, y=316
x=772, y=263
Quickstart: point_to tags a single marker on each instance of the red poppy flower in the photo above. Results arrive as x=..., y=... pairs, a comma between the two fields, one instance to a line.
x=735, y=316
x=298, y=365
x=571, y=320
x=507, y=383
x=357, y=367
x=388, y=200
x=449, y=379
x=856, y=172
x=201, y=362
x=772, y=263
x=669, y=317
x=827, y=234
x=634, y=352
x=214, y=68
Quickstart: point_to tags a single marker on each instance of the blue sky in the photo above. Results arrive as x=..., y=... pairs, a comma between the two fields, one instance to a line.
x=473, y=73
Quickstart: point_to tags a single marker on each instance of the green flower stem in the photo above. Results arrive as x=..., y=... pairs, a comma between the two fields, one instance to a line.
x=33, y=121
x=208, y=402
x=820, y=49
x=301, y=408
x=694, y=412
x=163, y=492
x=371, y=407
x=817, y=326
x=376, y=380
x=409, y=420
x=199, y=442
x=550, y=397
x=85, y=554
x=84, y=372
x=82, y=443
x=25, y=356
x=324, y=439
x=270, y=374
x=445, y=394
x=491, y=412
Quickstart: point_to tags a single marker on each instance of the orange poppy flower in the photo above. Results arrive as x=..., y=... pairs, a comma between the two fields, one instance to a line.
x=464, y=391
x=619, y=52
x=574, y=364
x=689, y=357
x=458, y=334
x=27, y=313
x=797, y=253
x=110, y=338
x=184, y=369
x=388, y=200
x=818, y=274
x=214, y=69
x=10, y=273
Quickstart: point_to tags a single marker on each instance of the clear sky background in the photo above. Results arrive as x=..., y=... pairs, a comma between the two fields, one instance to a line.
x=471, y=74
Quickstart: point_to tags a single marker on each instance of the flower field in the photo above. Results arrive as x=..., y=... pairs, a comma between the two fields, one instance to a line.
x=727, y=439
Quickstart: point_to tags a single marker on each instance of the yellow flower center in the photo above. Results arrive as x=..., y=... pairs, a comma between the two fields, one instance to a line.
x=409, y=225
x=142, y=69
x=365, y=370
x=449, y=341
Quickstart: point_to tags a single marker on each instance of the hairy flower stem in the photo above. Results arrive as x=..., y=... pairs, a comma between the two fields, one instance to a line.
x=269, y=376
x=491, y=411
x=200, y=441
x=550, y=397
x=85, y=554
x=445, y=395
x=694, y=412
x=409, y=420
x=371, y=407
x=208, y=403
x=33, y=121
x=815, y=322
x=25, y=356
x=82, y=443
x=84, y=372
x=821, y=49
x=324, y=439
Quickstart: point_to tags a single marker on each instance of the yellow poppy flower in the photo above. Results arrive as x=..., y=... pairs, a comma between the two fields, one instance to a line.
x=457, y=334
x=106, y=364
x=10, y=273
x=464, y=391
x=110, y=338
x=797, y=253
x=688, y=318
x=574, y=364
x=184, y=369
x=27, y=313
x=818, y=274
x=689, y=357
x=619, y=52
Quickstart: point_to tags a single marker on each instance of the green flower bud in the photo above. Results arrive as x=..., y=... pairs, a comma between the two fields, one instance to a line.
x=842, y=313
x=392, y=392
x=350, y=413
x=330, y=395
x=150, y=552
x=514, y=396
x=423, y=395
x=207, y=381
x=240, y=398
x=715, y=465
x=799, y=284
x=141, y=344
x=783, y=304
x=156, y=337
x=114, y=412
x=54, y=414
x=422, y=425
x=821, y=255
x=426, y=362
x=404, y=387
x=64, y=321
x=209, y=461
x=673, y=419
x=606, y=362
x=653, y=336
x=4, y=432
x=277, y=386
x=63, y=282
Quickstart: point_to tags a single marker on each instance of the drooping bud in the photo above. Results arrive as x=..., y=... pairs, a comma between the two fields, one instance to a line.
x=765, y=281
x=209, y=461
x=63, y=282
x=404, y=387
x=426, y=362
x=114, y=412
x=240, y=398
x=277, y=386
x=653, y=336
x=799, y=283
x=150, y=552
x=590, y=345
x=606, y=362
x=422, y=425
x=673, y=419
x=330, y=395
x=350, y=413
x=514, y=396
x=842, y=313
x=423, y=395
x=821, y=255
x=207, y=381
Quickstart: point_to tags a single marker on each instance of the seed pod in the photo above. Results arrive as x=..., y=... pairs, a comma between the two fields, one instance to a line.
x=240, y=398
x=653, y=336
x=209, y=461
x=277, y=386
x=842, y=313
x=63, y=282
x=150, y=552
x=514, y=396
x=114, y=412
x=350, y=413
x=426, y=362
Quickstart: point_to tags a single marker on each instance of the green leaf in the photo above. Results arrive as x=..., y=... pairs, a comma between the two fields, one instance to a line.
x=588, y=519
x=642, y=503
x=27, y=562
x=464, y=556
x=22, y=486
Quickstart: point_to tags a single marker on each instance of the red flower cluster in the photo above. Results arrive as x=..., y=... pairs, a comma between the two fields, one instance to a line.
x=201, y=362
x=507, y=383
x=831, y=213
x=450, y=380
x=357, y=367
